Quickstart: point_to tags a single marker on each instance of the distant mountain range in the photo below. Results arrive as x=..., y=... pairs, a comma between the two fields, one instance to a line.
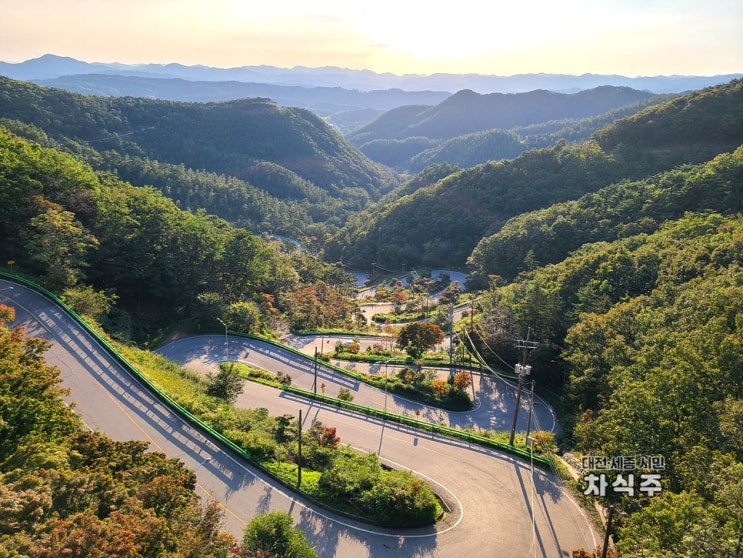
x=348, y=99
x=50, y=66
x=468, y=128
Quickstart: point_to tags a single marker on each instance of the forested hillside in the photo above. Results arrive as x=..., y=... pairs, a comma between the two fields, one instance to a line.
x=617, y=211
x=467, y=112
x=73, y=228
x=491, y=145
x=469, y=129
x=647, y=332
x=289, y=154
x=440, y=225
x=327, y=102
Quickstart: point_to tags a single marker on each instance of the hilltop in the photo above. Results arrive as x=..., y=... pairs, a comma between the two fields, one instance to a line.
x=440, y=223
x=285, y=167
x=467, y=128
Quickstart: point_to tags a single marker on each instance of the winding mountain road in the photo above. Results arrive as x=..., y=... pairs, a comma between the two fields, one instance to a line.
x=500, y=505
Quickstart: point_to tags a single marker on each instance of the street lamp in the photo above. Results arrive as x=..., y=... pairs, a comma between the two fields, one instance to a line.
x=226, y=343
x=386, y=363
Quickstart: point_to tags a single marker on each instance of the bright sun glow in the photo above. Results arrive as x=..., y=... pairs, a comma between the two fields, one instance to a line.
x=631, y=37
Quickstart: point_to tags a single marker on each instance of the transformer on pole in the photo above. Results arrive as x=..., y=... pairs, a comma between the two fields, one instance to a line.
x=522, y=370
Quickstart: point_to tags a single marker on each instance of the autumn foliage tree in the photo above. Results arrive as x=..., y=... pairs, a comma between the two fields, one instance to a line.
x=462, y=380
x=418, y=337
x=65, y=491
x=319, y=305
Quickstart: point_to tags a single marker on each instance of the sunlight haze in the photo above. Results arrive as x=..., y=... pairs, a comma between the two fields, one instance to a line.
x=630, y=38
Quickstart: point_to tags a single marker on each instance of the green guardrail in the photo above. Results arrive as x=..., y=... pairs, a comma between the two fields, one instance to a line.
x=131, y=368
x=332, y=366
x=298, y=353
x=544, y=462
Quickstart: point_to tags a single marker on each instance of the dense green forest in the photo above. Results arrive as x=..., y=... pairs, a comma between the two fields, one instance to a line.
x=439, y=225
x=413, y=154
x=647, y=331
x=247, y=151
x=620, y=210
x=70, y=226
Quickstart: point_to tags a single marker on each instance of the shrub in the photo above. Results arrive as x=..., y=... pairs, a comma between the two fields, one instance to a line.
x=399, y=498
x=284, y=378
x=226, y=384
x=345, y=394
x=272, y=534
x=350, y=475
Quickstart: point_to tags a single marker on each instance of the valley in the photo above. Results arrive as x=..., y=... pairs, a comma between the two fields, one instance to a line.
x=604, y=254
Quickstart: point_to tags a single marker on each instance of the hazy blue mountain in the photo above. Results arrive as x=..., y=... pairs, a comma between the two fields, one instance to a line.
x=324, y=101
x=51, y=66
x=467, y=112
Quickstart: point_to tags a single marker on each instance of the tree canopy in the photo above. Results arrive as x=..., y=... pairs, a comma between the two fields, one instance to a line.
x=65, y=490
x=418, y=337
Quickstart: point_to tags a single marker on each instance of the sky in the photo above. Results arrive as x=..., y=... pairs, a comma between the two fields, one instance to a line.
x=496, y=37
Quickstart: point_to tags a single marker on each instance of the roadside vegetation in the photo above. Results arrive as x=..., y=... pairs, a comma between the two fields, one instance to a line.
x=66, y=491
x=332, y=474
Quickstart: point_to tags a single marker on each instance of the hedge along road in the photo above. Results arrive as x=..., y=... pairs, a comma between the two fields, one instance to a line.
x=493, y=494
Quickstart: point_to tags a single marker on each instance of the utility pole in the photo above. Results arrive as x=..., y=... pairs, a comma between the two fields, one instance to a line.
x=522, y=370
x=605, y=548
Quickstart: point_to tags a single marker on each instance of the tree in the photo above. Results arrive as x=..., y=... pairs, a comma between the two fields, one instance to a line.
x=319, y=305
x=86, y=301
x=226, y=384
x=59, y=244
x=324, y=435
x=272, y=535
x=418, y=337
x=462, y=380
x=243, y=316
x=439, y=388
x=398, y=299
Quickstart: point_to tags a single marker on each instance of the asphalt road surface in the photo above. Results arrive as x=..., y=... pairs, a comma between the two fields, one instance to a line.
x=500, y=505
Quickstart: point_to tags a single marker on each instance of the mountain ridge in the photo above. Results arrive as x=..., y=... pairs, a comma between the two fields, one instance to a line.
x=288, y=153
x=47, y=67
x=436, y=224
